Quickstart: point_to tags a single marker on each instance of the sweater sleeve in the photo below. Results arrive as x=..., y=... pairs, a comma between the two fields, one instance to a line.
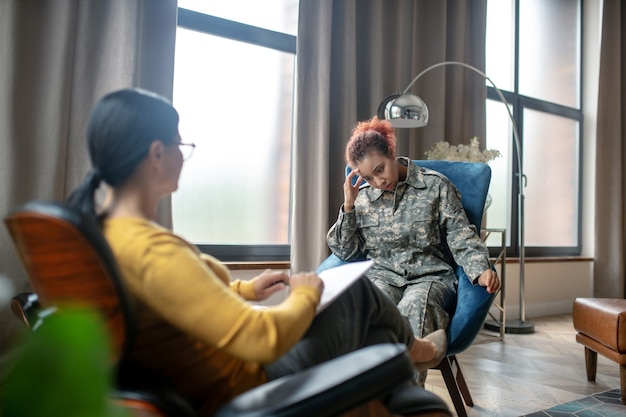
x=185, y=290
x=241, y=287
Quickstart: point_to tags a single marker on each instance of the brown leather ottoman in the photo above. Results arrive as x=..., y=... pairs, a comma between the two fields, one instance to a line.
x=601, y=327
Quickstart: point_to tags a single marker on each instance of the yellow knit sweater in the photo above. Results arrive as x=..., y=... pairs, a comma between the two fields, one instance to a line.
x=195, y=326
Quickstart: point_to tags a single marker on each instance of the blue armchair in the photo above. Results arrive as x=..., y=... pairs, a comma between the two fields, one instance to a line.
x=473, y=302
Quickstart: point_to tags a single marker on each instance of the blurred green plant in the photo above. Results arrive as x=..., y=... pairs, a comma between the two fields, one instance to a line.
x=62, y=369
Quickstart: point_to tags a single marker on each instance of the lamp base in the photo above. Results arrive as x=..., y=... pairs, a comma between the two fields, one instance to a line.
x=511, y=327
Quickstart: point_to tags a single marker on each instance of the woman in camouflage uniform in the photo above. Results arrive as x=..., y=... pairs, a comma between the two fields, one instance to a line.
x=410, y=221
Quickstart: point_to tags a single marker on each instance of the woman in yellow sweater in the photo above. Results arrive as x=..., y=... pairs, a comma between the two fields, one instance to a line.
x=195, y=326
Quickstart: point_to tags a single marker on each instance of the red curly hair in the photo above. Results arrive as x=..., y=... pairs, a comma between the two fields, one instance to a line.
x=372, y=135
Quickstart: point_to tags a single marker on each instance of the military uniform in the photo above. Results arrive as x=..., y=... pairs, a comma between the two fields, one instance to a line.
x=415, y=234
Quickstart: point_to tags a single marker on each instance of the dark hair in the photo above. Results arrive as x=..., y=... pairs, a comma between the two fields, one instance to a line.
x=370, y=135
x=121, y=128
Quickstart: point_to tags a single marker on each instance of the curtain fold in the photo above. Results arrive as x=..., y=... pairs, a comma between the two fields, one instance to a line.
x=57, y=59
x=610, y=219
x=351, y=55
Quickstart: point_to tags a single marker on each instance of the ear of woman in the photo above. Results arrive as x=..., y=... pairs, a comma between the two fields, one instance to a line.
x=164, y=164
x=151, y=172
x=156, y=150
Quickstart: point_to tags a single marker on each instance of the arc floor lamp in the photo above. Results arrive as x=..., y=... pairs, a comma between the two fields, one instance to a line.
x=406, y=110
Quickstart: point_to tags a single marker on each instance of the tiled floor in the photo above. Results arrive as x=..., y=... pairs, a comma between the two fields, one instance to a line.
x=604, y=404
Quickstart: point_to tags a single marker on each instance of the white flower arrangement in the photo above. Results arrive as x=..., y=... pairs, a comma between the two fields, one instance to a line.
x=465, y=153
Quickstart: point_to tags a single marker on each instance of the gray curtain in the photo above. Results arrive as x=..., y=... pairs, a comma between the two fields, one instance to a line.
x=57, y=58
x=610, y=206
x=351, y=55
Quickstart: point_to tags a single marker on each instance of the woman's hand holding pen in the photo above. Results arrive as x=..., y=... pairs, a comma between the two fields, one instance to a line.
x=350, y=191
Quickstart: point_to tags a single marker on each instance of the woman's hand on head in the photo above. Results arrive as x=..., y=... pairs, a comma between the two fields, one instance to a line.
x=350, y=190
x=490, y=280
x=270, y=282
x=309, y=279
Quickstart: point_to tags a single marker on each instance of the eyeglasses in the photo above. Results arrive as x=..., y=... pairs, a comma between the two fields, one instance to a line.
x=186, y=149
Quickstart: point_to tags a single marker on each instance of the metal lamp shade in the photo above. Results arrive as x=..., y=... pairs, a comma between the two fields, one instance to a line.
x=404, y=111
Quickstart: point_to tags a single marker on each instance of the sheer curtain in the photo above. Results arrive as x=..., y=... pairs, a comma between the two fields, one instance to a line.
x=351, y=55
x=57, y=58
x=611, y=155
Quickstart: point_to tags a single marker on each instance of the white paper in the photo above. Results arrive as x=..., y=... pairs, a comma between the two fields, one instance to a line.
x=337, y=279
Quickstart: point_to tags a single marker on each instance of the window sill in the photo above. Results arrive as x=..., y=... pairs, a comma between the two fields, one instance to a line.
x=251, y=265
x=549, y=259
x=256, y=265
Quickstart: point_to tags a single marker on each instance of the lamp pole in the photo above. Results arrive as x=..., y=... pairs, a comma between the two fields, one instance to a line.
x=520, y=326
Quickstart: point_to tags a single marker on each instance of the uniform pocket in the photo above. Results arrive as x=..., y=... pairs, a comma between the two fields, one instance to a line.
x=426, y=232
x=367, y=220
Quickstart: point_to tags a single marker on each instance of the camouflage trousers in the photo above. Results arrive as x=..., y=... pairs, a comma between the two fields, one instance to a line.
x=426, y=304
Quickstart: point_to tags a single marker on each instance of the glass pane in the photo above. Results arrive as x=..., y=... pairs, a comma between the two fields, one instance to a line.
x=550, y=50
x=551, y=158
x=277, y=15
x=235, y=103
x=500, y=43
x=499, y=136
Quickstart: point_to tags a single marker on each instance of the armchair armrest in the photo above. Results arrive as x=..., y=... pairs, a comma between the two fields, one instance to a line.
x=331, y=262
x=327, y=389
x=472, y=306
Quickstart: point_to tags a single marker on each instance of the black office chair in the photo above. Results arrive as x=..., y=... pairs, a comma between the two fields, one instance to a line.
x=69, y=261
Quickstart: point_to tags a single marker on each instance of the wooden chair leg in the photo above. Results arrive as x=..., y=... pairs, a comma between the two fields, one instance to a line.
x=622, y=382
x=591, y=364
x=450, y=371
x=460, y=380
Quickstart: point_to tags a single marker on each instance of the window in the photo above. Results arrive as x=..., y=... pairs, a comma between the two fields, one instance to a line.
x=233, y=87
x=533, y=55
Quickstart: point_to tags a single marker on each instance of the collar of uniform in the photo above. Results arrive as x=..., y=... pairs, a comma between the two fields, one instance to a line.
x=414, y=178
x=414, y=175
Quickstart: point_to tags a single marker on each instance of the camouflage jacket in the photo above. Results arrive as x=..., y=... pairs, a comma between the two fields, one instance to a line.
x=420, y=230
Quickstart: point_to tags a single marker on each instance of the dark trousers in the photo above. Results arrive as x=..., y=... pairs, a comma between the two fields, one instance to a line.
x=361, y=316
